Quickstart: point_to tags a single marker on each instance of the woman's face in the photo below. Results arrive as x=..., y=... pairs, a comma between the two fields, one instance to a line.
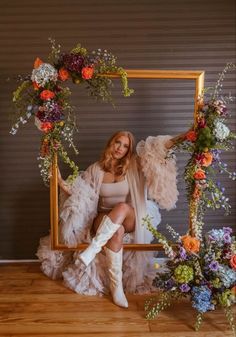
x=120, y=147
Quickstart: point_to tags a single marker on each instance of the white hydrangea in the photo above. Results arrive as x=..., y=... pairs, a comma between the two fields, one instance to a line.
x=221, y=131
x=43, y=74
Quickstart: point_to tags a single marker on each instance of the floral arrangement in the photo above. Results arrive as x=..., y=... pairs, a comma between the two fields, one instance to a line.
x=203, y=270
x=205, y=142
x=42, y=95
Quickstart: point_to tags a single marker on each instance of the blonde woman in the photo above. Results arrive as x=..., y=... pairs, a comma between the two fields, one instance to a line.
x=105, y=207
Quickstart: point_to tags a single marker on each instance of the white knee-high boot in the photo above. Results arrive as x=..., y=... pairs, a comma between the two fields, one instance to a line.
x=105, y=231
x=114, y=263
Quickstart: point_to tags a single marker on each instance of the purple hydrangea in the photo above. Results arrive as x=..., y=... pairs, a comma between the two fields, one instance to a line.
x=216, y=154
x=214, y=265
x=219, y=237
x=72, y=62
x=182, y=253
x=227, y=238
x=169, y=284
x=50, y=112
x=220, y=108
x=184, y=288
x=227, y=230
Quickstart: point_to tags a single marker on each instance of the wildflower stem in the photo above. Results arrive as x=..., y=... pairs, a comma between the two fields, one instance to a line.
x=230, y=318
x=198, y=322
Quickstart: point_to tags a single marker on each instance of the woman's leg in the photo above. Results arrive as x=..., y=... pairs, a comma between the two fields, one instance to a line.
x=112, y=227
x=122, y=214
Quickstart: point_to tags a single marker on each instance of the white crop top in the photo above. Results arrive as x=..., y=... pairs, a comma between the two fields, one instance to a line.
x=112, y=193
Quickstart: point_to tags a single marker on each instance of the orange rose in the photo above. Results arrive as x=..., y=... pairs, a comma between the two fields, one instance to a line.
x=199, y=174
x=36, y=86
x=87, y=72
x=37, y=63
x=190, y=243
x=47, y=94
x=191, y=136
x=46, y=126
x=233, y=261
x=207, y=159
x=63, y=74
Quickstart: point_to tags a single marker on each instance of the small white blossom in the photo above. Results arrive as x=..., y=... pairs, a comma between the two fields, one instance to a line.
x=221, y=131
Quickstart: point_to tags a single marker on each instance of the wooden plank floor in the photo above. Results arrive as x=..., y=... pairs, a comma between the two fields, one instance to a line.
x=33, y=305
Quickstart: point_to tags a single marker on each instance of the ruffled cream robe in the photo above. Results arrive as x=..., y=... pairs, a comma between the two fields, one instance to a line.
x=155, y=175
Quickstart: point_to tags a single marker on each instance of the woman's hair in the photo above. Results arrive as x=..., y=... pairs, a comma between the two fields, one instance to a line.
x=123, y=163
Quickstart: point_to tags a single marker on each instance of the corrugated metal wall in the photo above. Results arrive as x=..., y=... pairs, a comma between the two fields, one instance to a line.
x=144, y=34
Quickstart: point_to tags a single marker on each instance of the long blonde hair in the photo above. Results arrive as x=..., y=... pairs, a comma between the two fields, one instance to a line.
x=123, y=164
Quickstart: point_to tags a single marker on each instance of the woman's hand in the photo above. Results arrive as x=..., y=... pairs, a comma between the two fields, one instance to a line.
x=179, y=138
x=59, y=178
x=62, y=183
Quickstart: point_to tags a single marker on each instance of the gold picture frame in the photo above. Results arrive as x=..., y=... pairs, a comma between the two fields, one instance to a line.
x=194, y=75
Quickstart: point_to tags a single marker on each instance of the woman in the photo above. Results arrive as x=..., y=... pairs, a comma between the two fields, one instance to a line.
x=109, y=200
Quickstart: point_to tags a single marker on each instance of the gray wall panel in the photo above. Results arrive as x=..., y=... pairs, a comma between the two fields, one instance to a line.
x=148, y=34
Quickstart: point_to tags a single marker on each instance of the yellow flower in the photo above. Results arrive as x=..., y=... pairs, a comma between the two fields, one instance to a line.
x=156, y=265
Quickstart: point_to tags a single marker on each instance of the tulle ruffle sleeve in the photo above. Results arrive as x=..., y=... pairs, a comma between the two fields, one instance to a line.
x=159, y=169
x=78, y=211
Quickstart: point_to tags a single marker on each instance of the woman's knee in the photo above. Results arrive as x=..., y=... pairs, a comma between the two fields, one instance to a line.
x=123, y=207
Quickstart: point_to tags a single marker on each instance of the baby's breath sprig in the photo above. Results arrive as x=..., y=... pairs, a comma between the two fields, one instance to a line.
x=198, y=321
x=160, y=237
x=55, y=51
x=219, y=83
x=173, y=233
x=154, y=306
x=230, y=318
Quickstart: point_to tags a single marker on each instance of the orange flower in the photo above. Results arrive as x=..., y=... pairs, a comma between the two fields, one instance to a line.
x=87, y=72
x=44, y=151
x=191, y=136
x=233, y=261
x=233, y=290
x=197, y=193
x=63, y=74
x=46, y=126
x=190, y=243
x=207, y=159
x=46, y=95
x=37, y=63
x=199, y=174
x=36, y=86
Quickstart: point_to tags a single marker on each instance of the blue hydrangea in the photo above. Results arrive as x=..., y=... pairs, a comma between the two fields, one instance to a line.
x=201, y=299
x=219, y=236
x=227, y=276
